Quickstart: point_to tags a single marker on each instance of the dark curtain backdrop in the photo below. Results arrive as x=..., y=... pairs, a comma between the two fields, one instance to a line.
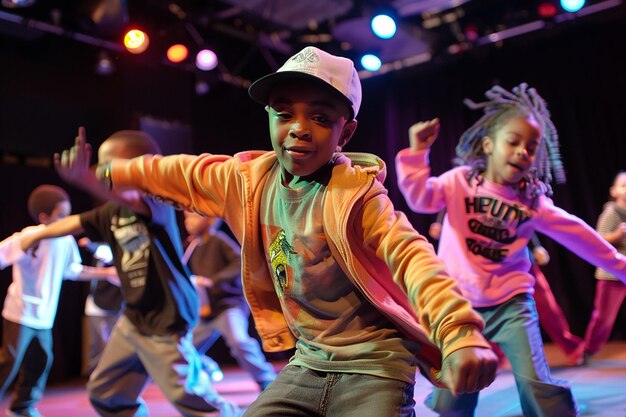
x=48, y=88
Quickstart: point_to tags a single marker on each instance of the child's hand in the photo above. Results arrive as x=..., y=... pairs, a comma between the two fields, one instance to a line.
x=434, y=230
x=202, y=281
x=469, y=369
x=73, y=164
x=621, y=229
x=423, y=134
x=541, y=255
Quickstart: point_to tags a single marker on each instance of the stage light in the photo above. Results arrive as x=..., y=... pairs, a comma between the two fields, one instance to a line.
x=572, y=5
x=202, y=87
x=471, y=32
x=547, y=10
x=177, y=53
x=105, y=65
x=371, y=62
x=136, y=41
x=206, y=60
x=383, y=26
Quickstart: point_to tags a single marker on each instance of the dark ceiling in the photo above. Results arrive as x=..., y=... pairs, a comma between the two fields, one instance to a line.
x=252, y=37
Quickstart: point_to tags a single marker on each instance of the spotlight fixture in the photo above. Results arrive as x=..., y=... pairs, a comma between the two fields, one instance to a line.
x=546, y=10
x=371, y=62
x=206, y=60
x=572, y=6
x=384, y=26
x=136, y=41
x=177, y=53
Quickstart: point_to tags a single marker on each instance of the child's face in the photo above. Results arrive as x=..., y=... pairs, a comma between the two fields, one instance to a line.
x=618, y=190
x=61, y=210
x=511, y=152
x=307, y=126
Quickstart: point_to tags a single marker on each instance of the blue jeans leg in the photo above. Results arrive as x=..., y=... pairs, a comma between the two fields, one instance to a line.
x=301, y=392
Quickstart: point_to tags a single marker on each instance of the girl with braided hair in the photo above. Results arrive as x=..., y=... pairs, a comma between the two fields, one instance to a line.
x=495, y=200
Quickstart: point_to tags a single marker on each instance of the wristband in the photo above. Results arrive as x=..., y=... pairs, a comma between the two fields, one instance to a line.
x=106, y=177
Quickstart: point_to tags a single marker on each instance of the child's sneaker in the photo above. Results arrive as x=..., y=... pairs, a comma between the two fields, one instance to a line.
x=25, y=412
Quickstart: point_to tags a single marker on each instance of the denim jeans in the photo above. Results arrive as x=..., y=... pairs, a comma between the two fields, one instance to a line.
x=299, y=391
x=28, y=351
x=515, y=327
x=131, y=359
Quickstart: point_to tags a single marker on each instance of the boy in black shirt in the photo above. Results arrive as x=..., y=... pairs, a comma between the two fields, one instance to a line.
x=151, y=340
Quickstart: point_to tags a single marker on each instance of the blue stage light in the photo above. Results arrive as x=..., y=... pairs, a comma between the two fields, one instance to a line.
x=572, y=5
x=371, y=62
x=383, y=26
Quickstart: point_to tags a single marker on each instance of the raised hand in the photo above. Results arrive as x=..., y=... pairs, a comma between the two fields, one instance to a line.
x=423, y=134
x=73, y=164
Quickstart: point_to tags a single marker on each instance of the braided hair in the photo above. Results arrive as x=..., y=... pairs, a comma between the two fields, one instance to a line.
x=503, y=105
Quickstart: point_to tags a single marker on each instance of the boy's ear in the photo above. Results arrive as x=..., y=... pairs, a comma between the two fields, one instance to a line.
x=612, y=193
x=346, y=133
x=43, y=218
x=487, y=145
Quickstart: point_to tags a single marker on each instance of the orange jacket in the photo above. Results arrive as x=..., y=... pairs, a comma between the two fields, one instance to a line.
x=394, y=266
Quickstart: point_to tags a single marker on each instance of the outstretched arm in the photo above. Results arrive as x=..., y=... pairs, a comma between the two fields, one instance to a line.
x=451, y=323
x=87, y=273
x=73, y=165
x=577, y=236
x=69, y=225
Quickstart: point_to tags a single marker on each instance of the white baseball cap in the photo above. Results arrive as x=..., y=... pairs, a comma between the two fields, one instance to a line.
x=314, y=64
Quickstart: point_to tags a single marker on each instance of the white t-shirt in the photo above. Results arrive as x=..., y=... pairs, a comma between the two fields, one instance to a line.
x=33, y=296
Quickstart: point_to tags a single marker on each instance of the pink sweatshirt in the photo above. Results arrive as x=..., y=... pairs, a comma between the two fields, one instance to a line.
x=487, y=227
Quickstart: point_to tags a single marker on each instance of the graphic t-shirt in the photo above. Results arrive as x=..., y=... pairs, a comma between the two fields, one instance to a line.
x=33, y=296
x=159, y=297
x=219, y=258
x=488, y=226
x=338, y=330
x=610, y=219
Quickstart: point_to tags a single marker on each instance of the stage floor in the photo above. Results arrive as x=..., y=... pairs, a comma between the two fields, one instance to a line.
x=600, y=387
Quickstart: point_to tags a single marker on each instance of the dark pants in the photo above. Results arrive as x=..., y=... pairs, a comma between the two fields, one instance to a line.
x=606, y=306
x=28, y=351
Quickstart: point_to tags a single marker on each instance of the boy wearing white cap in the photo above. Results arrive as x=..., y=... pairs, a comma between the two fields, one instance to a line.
x=328, y=266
